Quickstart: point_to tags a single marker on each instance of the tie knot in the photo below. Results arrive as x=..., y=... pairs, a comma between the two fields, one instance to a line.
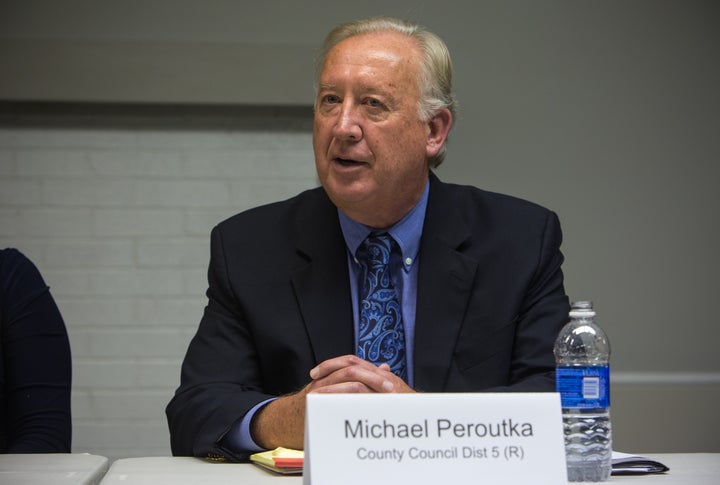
x=376, y=249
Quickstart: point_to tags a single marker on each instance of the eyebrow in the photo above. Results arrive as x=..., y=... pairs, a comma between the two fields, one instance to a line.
x=367, y=90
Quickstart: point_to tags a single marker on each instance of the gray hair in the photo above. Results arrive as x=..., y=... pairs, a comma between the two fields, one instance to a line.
x=435, y=78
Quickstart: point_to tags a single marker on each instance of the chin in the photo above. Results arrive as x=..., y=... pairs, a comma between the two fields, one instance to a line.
x=346, y=198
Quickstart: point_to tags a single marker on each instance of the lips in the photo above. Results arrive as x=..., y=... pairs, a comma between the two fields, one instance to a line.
x=346, y=162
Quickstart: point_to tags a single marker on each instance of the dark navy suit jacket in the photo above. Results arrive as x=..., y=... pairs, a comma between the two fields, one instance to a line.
x=490, y=302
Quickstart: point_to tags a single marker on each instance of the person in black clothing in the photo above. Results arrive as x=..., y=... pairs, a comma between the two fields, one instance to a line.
x=477, y=294
x=35, y=365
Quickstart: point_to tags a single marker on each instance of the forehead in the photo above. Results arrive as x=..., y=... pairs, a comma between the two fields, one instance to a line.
x=377, y=54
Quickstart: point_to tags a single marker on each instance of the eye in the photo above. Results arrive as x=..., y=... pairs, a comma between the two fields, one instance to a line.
x=331, y=99
x=373, y=103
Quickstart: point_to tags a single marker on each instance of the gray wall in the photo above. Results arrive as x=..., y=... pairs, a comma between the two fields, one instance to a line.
x=607, y=112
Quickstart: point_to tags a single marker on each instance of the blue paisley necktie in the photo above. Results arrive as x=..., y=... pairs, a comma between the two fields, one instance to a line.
x=381, y=336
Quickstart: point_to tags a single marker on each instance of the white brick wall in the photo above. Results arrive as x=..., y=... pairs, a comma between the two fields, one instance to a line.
x=118, y=222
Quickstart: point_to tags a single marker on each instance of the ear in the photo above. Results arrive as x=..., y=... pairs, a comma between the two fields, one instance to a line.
x=438, y=129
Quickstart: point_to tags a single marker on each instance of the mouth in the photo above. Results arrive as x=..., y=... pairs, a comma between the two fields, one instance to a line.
x=346, y=162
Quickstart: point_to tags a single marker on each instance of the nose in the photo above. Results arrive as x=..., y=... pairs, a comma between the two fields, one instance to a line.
x=347, y=125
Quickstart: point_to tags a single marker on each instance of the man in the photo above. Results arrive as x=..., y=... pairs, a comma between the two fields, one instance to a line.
x=474, y=277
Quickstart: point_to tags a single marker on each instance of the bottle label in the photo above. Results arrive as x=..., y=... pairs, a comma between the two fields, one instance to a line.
x=583, y=387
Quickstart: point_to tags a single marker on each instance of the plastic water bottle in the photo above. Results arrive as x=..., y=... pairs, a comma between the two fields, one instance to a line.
x=582, y=355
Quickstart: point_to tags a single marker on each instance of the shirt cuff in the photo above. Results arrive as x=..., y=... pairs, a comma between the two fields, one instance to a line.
x=238, y=438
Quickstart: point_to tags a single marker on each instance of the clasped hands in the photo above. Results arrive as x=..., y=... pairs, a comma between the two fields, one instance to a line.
x=351, y=374
x=282, y=422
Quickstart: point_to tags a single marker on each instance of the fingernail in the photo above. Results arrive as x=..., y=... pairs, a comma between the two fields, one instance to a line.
x=388, y=386
x=314, y=372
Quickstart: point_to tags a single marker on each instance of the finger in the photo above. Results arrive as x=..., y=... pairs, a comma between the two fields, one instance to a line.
x=343, y=388
x=329, y=366
x=371, y=377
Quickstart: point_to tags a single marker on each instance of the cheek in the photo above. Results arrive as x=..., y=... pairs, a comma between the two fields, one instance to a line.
x=321, y=128
x=405, y=144
x=320, y=140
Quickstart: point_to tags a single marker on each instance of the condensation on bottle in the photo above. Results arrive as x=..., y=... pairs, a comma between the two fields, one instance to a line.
x=582, y=356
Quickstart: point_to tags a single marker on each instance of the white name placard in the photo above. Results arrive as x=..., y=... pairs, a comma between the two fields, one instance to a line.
x=384, y=439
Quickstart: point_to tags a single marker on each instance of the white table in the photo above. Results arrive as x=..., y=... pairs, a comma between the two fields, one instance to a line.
x=685, y=469
x=44, y=469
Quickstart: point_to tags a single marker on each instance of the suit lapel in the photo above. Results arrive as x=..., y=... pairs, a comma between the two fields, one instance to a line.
x=321, y=281
x=445, y=282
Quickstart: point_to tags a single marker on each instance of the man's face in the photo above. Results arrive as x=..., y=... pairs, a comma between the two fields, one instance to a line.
x=371, y=149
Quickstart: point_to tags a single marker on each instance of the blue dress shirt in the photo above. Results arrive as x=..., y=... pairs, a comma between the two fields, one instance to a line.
x=407, y=233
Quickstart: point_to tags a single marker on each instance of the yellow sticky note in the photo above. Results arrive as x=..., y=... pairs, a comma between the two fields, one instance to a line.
x=280, y=460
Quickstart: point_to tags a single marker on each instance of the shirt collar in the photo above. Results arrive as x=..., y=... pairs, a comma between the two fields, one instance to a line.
x=406, y=232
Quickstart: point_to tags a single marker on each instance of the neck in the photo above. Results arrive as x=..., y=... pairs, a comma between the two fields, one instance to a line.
x=383, y=212
x=381, y=216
